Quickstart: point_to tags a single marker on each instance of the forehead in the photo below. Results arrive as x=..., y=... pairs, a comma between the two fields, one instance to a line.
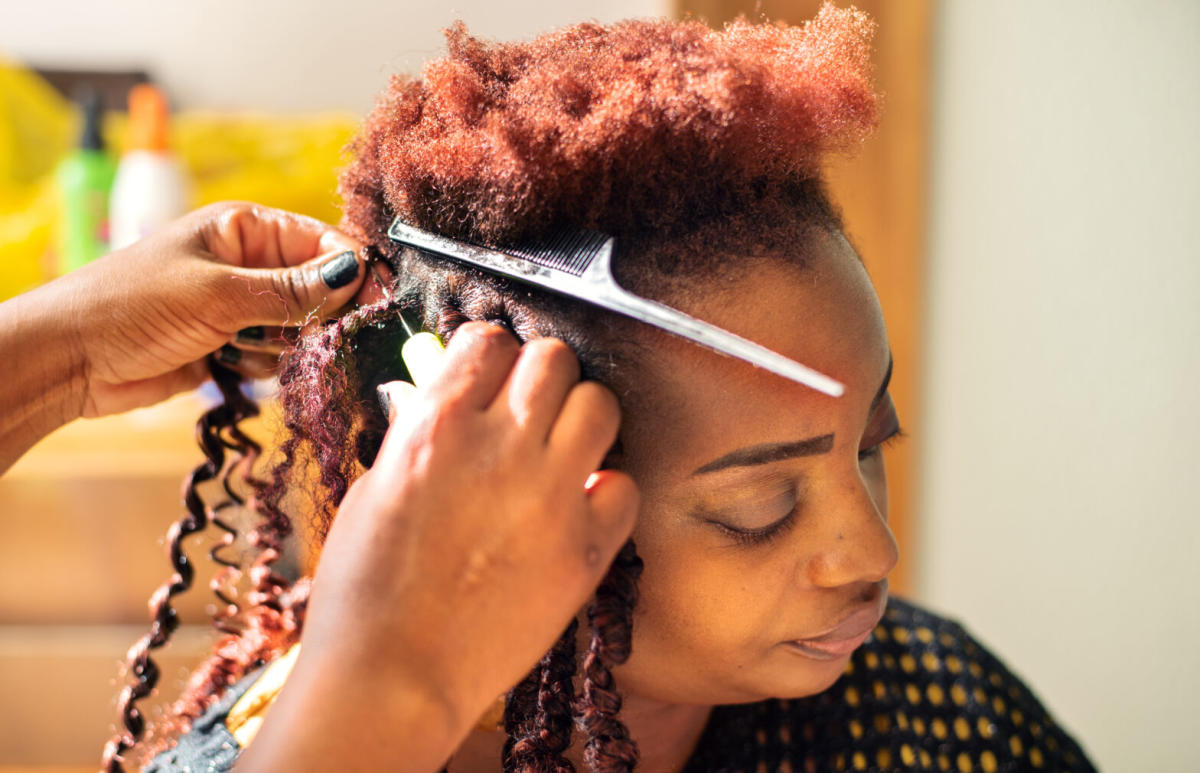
x=700, y=404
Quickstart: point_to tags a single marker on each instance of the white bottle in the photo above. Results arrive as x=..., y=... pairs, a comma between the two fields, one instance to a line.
x=151, y=188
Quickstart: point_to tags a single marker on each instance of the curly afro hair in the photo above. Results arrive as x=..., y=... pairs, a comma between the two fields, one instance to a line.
x=645, y=130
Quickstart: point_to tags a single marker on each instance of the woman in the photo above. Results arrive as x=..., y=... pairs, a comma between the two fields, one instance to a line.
x=750, y=627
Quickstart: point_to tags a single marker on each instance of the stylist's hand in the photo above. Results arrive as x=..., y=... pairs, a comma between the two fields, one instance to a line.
x=149, y=314
x=457, y=560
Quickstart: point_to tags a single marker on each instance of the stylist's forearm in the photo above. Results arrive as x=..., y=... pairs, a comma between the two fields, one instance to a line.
x=347, y=719
x=43, y=382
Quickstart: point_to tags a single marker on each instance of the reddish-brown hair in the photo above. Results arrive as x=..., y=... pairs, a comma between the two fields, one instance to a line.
x=691, y=146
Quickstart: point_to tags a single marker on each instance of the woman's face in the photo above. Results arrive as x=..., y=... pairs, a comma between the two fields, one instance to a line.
x=764, y=519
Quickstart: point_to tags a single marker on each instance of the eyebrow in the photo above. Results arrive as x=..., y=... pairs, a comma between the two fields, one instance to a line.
x=766, y=453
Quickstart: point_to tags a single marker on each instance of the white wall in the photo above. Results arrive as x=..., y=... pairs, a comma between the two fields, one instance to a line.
x=283, y=55
x=1061, y=471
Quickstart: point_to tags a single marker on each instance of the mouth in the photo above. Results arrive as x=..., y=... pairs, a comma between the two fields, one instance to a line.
x=845, y=637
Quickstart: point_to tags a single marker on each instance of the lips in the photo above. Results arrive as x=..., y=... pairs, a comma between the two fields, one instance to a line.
x=845, y=637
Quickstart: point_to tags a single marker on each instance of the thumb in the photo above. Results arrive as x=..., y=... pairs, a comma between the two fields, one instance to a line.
x=613, y=498
x=293, y=295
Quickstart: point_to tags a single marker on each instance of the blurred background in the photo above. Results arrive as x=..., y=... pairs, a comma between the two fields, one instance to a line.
x=1029, y=211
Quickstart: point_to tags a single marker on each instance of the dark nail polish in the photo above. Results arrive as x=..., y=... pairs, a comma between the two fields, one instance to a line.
x=340, y=271
x=229, y=355
x=251, y=334
x=385, y=402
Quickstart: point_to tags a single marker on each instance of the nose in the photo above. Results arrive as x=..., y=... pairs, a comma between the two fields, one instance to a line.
x=850, y=541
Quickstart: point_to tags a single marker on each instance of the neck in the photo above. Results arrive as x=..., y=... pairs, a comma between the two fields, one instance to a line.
x=665, y=733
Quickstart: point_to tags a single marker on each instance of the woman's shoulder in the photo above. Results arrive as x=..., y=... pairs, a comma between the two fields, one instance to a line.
x=920, y=694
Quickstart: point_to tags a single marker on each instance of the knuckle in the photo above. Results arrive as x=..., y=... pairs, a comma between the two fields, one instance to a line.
x=231, y=214
x=600, y=402
x=485, y=335
x=291, y=287
x=446, y=410
x=552, y=354
x=222, y=209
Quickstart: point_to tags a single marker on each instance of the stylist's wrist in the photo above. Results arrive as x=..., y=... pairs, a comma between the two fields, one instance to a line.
x=345, y=713
x=45, y=380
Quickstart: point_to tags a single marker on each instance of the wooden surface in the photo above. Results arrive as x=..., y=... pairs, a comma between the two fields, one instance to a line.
x=882, y=192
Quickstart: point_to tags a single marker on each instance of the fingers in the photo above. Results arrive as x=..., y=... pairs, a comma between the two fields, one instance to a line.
x=270, y=339
x=295, y=295
x=252, y=365
x=394, y=398
x=254, y=351
x=397, y=399
x=375, y=287
x=534, y=393
x=614, y=500
x=585, y=429
x=477, y=363
x=277, y=268
x=254, y=236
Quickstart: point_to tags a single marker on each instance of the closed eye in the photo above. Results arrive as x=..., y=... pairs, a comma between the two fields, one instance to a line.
x=897, y=434
x=761, y=535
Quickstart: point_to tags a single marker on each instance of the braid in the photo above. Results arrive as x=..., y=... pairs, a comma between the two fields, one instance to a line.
x=538, y=715
x=609, y=748
x=556, y=692
x=519, y=707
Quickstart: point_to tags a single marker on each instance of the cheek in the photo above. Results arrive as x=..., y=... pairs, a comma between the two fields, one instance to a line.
x=701, y=599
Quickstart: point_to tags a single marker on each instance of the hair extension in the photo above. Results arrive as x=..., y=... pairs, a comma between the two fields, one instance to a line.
x=538, y=712
x=165, y=619
x=556, y=693
x=609, y=748
x=246, y=452
x=520, y=706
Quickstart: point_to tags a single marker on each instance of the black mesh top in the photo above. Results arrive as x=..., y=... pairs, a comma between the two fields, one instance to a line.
x=919, y=695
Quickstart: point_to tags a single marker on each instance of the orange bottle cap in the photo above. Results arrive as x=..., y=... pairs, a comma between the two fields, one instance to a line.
x=147, y=118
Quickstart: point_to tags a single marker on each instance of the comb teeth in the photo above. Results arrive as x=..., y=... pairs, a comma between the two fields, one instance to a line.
x=570, y=250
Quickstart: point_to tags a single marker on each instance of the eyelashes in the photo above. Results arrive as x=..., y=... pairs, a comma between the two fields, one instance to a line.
x=762, y=535
x=896, y=434
x=773, y=531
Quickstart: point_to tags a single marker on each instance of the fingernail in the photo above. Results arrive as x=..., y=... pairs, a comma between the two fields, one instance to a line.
x=385, y=401
x=340, y=271
x=229, y=355
x=251, y=334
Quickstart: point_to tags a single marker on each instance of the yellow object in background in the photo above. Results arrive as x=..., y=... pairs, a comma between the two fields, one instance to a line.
x=290, y=162
x=36, y=127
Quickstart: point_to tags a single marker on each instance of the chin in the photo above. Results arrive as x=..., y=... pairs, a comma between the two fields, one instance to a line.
x=803, y=680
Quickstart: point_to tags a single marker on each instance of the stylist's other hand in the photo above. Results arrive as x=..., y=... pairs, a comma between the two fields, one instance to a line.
x=226, y=279
x=458, y=559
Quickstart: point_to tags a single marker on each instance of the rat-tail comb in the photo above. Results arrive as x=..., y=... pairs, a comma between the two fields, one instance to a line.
x=578, y=263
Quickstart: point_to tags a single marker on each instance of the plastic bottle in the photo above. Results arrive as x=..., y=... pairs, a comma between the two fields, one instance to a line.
x=151, y=188
x=85, y=179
